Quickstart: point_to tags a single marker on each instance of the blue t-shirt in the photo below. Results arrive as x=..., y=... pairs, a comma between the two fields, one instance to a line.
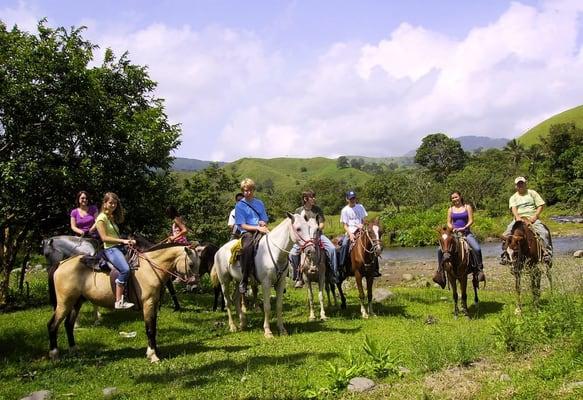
x=250, y=213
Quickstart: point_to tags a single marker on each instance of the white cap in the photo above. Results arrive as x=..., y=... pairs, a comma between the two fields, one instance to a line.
x=520, y=179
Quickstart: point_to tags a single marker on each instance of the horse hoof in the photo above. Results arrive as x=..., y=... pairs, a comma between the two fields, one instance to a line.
x=151, y=355
x=232, y=328
x=312, y=318
x=54, y=355
x=365, y=316
x=268, y=335
x=73, y=350
x=282, y=332
x=323, y=318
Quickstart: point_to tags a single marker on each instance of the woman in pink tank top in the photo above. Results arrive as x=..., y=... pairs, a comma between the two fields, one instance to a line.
x=179, y=229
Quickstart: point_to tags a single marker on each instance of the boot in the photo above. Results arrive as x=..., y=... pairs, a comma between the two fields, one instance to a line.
x=439, y=277
x=481, y=275
x=376, y=273
x=244, y=279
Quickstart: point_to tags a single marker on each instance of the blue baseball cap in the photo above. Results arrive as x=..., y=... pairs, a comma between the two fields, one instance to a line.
x=350, y=194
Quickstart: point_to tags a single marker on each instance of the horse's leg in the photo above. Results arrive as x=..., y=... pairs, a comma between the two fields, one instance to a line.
x=61, y=312
x=279, y=305
x=150, y=319
x=218, y=296
x=535, y=278
x=453, y=284
x=321, y=285
x=548, y=268
x=267, y=308
x=241, y=309
x=342, y=296
x=358, y=279
x=96, y=315
x=312, y=316
x=476, y=285
x=70, y=321
x=464, y=289
x=228, y=301
x=369, y=284
x=517, y=273
x=172, y=291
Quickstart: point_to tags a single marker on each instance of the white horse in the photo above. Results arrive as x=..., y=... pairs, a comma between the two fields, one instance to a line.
x=271, y=266
x=59, y=248
x=313, y=268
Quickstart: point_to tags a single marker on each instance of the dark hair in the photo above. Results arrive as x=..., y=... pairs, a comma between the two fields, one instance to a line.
x=308, y=194
x=459, y=194
x=239, y=196
x=119, y=212
x=79, y=195
x=172, y=212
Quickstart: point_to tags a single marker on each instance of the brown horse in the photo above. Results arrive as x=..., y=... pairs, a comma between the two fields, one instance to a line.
x=74, y=283
x=525, y=252
x=457, y=262
x=313, y=269
x=364, y=253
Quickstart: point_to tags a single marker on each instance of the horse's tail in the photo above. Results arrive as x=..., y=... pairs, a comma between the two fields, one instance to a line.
x=214, y=276
x=52, y=291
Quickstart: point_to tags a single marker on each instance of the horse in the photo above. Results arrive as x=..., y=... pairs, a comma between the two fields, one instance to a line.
x=313, y=268
x=74, y=282
x=525, y=252
x=271, y=268
x=365, y=251
x=59, y=248
x=457, y=263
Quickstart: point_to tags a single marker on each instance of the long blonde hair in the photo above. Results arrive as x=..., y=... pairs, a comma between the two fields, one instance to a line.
x=119, y=212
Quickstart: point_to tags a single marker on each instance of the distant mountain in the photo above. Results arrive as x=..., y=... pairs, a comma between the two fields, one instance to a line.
x=191, y=164
x=471, y=143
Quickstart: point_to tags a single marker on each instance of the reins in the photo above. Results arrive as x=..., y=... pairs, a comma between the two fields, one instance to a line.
x=155, y=266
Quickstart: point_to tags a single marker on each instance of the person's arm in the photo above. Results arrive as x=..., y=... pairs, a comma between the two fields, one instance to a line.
x=110, y=239
x=517, y=217
x=252, y=228
x=536, y=215
x=449, y=219
x=74, y=227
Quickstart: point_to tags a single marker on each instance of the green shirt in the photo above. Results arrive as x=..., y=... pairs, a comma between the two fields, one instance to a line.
x=526, y=204
x=110, y=229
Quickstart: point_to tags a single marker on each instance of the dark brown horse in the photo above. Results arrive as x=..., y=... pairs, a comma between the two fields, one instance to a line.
x=457, y=263
x=525, y=252
x=363, y=255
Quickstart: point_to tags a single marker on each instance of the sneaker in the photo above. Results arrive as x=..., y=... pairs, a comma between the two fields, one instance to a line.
x=242, y=288
x=376, y=274
x=123, y=305
x=547, y=258
x=299, y=284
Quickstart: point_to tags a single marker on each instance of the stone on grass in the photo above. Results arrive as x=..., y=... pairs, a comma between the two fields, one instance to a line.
x=360, y=384
x=109, y=392
x=505, y=378
x=578, y=254
x=407, y=277
x=39, y=395
x=381, y=294
x=575, y=385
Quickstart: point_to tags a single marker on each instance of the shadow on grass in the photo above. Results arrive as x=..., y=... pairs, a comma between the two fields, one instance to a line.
x=485, y=308
x=316, y=326
x=208, y=373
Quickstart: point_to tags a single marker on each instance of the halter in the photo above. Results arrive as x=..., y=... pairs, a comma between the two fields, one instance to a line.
x=155, y=266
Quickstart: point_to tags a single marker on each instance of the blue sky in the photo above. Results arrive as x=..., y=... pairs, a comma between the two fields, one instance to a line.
x=328, y=78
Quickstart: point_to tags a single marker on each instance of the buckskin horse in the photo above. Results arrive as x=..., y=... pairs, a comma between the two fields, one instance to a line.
x=457, y=262
x=365, y=251
x=525, y=252
x=74, y=282
x=271, y=268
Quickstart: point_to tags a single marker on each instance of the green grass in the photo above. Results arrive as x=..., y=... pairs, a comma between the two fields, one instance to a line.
x=534, y=134
x=445, y=358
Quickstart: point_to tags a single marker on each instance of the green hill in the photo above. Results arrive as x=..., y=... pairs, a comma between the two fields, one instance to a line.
x=289, y=173
x=534, y=134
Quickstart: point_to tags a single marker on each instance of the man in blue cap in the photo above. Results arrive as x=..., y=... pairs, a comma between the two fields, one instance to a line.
x=353, y=217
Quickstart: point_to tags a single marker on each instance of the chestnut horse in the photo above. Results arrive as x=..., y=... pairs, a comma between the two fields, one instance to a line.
x=525, y=252
x=364, y=253
x=457, y=263
x=74, y=283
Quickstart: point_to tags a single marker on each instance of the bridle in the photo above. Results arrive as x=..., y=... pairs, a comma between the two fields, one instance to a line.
x=155, y=266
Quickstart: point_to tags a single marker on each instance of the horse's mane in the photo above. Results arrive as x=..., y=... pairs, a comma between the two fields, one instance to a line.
x=162, y=246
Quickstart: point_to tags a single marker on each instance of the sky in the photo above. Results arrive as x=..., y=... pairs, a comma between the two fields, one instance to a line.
x=327, y=78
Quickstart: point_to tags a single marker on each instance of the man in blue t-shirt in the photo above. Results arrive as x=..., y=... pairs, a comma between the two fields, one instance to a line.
x=251, y=218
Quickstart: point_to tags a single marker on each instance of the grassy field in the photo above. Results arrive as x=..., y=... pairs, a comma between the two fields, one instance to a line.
x=429, y=354
x=534, y=134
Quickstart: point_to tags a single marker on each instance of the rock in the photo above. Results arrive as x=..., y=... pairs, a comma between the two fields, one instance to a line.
x=360, y=384
x=408, y=277
x=578, y=254
x=39, y=395
x=404, y=370
x=505, y=378
x=575, y=385
x=381, y=294
x=109, y=392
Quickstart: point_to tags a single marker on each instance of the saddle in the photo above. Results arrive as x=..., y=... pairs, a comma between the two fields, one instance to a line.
x=238, y=246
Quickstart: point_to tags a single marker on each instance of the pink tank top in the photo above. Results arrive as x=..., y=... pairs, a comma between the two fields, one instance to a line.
x=181, y=239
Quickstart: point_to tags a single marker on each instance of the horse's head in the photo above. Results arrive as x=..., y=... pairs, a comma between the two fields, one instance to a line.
x=516, y=243
x=374, y=232
x=447, y=242
x=188, y=264
x=304, y=231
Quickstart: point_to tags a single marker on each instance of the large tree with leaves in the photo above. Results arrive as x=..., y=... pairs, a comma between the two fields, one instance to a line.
x=441, y=155
x=66, y=125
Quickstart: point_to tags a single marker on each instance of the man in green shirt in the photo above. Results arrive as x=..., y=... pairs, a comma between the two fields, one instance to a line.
x=528, y=204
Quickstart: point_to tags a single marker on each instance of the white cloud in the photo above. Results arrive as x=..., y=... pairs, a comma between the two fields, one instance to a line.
x=236, y=97
x=23, y=15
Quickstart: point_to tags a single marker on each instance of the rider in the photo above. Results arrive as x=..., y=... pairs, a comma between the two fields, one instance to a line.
x=179, y=229
x=251, y=218
x=528, y=204
x=235, y=233
x=353, y=217
x=460, y=216
x=112, y=213
x=311, y=210
x=83, y=216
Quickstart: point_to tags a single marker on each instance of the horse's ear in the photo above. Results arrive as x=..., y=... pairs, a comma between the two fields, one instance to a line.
x=290, y=215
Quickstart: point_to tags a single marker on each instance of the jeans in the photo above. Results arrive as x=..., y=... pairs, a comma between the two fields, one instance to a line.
x=540, y=229
x=116, y=257
x=474, y=245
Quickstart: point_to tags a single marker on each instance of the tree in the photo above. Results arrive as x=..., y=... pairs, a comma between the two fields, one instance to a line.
x=516, y=152
x=342, y=162
x=357, y=163
x=65, y=126
x=388, y=189
x=440, y=155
